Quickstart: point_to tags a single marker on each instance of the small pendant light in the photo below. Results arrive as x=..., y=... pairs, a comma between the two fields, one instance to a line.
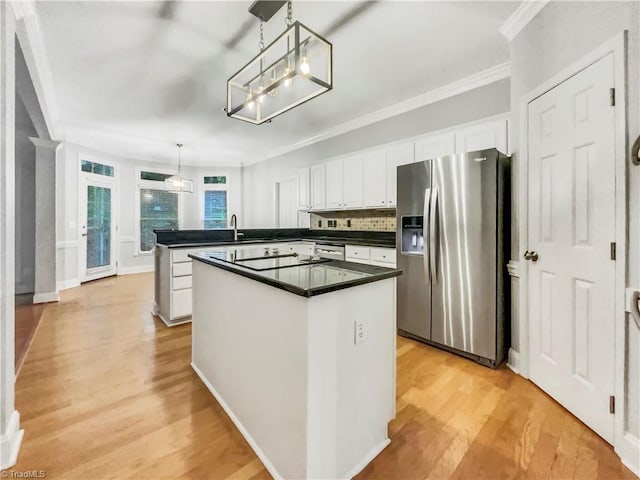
x=178, y=183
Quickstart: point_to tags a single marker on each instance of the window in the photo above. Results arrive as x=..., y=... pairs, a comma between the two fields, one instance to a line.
x=155, y=176
x=215, y=209
x=96, y=168
x=219, y=180
x=158, y=210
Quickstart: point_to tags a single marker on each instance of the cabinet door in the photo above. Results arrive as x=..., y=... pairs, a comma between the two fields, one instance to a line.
x=304, y=201
x=318, y=186
x=375, y=178
x=492, y=134
x=397, y=155
x=352, y=182
x=335, y=177
x=434, y=146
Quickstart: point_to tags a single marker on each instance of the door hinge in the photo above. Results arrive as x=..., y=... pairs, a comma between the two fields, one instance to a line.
x=612, y=97
x=613, y=250
x=612, y=404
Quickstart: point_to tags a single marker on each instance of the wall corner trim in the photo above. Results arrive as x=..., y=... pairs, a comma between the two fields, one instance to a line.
x=513, y=267
x=519, y=19
x=513, y=362
x=10, y=441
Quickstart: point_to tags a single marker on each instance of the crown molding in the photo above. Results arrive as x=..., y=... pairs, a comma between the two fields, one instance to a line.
x=519, y=19
x=31, y=41
x=44, y=143
x=484, y=77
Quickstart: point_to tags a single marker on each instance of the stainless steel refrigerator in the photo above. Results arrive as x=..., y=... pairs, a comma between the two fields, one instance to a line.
x=453, y=241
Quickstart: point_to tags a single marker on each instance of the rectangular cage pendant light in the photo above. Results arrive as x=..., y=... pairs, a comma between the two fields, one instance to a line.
x=294, y=68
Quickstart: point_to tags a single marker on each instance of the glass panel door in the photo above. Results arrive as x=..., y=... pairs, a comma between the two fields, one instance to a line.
x=98, y=226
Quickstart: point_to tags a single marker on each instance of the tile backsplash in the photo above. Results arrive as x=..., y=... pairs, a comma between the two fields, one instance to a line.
x=372, y=220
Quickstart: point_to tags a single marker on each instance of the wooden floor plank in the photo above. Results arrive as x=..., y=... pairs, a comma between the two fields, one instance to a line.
x=107, y=391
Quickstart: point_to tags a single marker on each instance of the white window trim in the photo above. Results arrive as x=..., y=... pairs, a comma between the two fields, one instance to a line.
x=115, y=181
x=208, y=187
x=152, y=184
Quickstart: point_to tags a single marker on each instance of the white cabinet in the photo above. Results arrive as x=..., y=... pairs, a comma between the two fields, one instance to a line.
x=401, y=153
x=317, y=182
x=378, y=256
x=352, y=182
x=375, y=178
x=434, y=146
x=334, y=184
x=304, y=197
x=345, y=183
x=485, y=135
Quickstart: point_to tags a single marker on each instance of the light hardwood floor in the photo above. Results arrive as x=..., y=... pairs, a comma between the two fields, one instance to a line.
x=106, y=391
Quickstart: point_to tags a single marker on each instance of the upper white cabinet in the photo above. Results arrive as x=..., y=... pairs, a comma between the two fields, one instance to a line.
x=397, y=155
x=304, y=191
x=352, y=182
x=434, y=146
x=335, y=177
x=317, y=182
x=491, y=134
x=375, y=178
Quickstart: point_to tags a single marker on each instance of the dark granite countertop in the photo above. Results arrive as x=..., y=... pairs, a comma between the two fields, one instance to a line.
x=295, y=274
x=224, y=237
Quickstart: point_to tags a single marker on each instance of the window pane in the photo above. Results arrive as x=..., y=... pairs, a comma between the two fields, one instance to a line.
x=98, y=226
x=155, y=176
x=215, y=209
x=96, y=168
x=158, y=209
x=217, y=180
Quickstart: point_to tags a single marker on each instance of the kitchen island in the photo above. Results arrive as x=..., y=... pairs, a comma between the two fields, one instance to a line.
x=300, y=352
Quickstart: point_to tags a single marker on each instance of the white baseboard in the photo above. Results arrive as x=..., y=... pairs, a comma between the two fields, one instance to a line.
x=629, y=452
x=10, y=442
x=46, y=297
x=67, y=284
x=236, y=421
x=514, y=361
x=135, y=269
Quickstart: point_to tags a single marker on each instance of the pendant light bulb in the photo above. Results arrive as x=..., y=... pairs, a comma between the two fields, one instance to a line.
x=305, y=68
x=249, y=100
x=287, y=81
x=260, y=95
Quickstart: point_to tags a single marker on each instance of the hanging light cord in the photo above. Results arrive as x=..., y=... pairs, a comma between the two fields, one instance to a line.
x=179, y=158
x=261, y=42
x=289, y=19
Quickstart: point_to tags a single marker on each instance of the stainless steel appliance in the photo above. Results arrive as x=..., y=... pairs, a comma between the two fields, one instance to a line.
x=334, y=252
x=452, y=246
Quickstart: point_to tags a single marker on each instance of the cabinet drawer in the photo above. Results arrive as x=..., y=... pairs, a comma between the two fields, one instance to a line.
x=182, y=269
x=384, y=255
x=181, y=255
x=382, y=264
x=180, y=283
x=181, y=303
x=359, y=253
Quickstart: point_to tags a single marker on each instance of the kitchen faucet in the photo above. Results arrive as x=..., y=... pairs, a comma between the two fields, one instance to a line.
x=234, y=223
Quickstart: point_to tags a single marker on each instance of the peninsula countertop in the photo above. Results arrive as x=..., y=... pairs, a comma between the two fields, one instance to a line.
x=301, y=275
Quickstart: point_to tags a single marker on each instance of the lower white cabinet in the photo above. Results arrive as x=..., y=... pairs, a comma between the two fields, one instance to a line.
x=379, y=256
x=181, y=303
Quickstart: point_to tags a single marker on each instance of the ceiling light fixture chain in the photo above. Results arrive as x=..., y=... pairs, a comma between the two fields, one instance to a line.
x=179, y=157
x=261, y=42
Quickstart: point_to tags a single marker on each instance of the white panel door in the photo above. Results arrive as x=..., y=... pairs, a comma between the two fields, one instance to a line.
x=352, y=183
x=572, y=182
x=304, y=197
x=434, y=146
x=318, y=189
x=335, y=177
x=375, y=178
x=491, y=134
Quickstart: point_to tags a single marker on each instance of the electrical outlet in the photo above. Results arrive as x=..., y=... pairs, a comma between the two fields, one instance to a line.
x=358, y=332
x=349, y=223
x=319, y=223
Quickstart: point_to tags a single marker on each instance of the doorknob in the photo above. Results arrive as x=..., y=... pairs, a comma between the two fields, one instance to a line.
x=533, y=256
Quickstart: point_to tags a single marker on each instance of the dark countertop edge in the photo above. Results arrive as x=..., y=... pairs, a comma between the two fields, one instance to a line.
x=312, y=292
x=226, y=243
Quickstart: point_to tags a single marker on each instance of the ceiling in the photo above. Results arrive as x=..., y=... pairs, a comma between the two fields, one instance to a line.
x=134, y=78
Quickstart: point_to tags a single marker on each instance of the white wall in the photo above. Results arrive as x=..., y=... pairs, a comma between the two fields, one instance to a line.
x=67, y=178
x=259, y=179
x=25, y=154
x=559, y=35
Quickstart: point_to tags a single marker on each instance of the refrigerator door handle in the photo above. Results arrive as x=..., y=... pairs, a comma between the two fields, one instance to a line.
x=425, y=232
x=434, y=235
